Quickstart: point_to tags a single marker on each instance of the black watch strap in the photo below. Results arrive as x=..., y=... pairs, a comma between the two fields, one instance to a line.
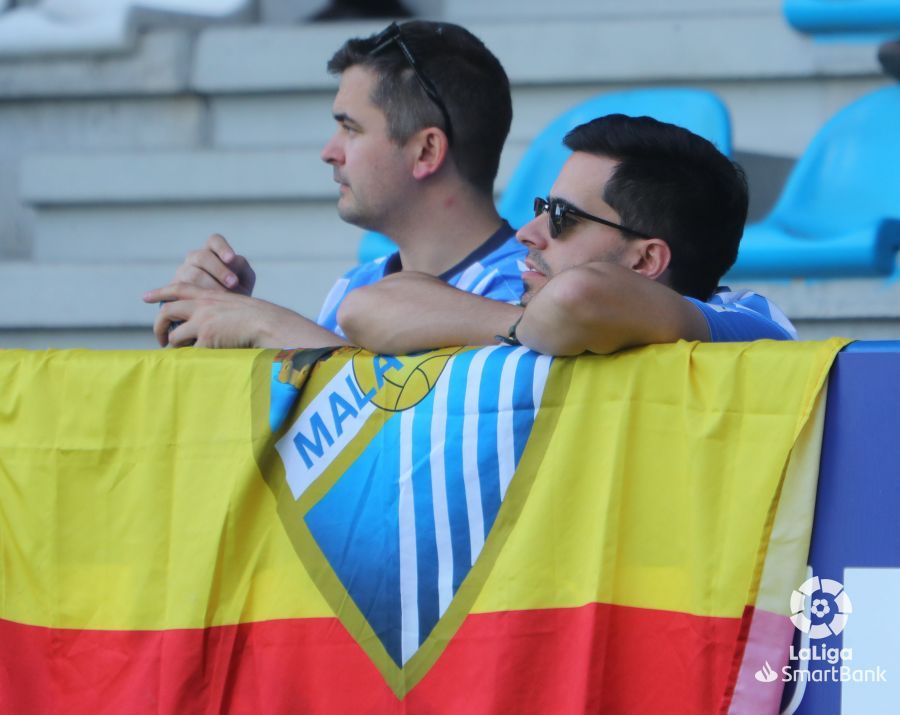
x=510, y=337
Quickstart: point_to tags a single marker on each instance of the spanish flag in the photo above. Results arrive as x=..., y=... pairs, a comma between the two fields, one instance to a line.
x=458, y=531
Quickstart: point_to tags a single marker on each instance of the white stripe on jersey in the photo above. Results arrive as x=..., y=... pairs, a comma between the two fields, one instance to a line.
x=468, y=276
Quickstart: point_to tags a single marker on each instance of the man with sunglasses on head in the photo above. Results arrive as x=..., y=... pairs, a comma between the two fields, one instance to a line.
x=422, y=112
x=641, y=224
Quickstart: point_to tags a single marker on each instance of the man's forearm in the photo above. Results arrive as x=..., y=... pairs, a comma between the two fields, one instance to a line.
x=409, y=314
x=597, y=307
x=282, y=328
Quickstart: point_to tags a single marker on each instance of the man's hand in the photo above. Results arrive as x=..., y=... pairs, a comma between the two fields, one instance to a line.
x=218, y=319
x=216, y=266
x=411, y=311
x=602, y=308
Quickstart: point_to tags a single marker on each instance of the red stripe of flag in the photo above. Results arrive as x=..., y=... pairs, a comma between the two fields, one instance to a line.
x=598, y=657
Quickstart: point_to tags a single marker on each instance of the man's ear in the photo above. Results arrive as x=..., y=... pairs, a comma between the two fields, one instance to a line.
x=430, y=150
x=651, y=257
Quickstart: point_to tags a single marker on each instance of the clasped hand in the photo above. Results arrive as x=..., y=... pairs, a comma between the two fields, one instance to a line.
x=209, y=302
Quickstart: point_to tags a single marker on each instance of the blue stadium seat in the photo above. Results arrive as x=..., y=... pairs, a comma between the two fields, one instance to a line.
x=839, y=212
x=700, y=111
x=875, y=18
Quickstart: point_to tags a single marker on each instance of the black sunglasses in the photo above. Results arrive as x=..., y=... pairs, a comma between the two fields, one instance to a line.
x=391, y=35
x=559, y=210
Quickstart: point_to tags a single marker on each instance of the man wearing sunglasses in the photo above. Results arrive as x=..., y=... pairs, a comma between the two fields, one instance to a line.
x=641, y=224
x=422, y=112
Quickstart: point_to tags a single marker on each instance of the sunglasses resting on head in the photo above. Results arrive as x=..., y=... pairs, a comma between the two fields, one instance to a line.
x=391, y=35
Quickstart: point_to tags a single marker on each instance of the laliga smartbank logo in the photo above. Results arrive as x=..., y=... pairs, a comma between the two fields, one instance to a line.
x=820, y=608
x=827, y=604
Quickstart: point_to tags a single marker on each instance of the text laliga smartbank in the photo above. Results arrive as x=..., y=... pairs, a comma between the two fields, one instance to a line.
x=822, y=674
x=832, y=656
x=820, y=664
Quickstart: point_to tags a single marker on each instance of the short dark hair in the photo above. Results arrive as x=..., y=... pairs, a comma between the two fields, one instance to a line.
x=468, y=78
x=675, y=185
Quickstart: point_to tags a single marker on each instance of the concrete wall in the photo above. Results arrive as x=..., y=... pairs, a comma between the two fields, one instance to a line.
x=113, y=166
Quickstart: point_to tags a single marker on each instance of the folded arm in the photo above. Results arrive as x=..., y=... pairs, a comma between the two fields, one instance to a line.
x=597, y=307
x=410, y=311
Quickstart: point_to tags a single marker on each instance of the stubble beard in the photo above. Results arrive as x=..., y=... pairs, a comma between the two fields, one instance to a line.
x=355, y=216
x=347, y=210
x=531, y=290
x=351, y=211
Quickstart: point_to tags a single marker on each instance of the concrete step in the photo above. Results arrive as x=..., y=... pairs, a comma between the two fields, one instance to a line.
x=503, y=10
x=713, y=46
x=159, y=63
x=64, y=338
x=67, y=27
x=123, y=208
x=770, y=116
x=78, y=296
x=188, y=177
x=835, y=299
x=718, y=43
x=139, y=233
x=175, y=177
x=136, y=207
x=862, y=309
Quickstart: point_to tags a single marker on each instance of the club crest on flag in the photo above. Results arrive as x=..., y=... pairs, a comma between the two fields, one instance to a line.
x=397, y=383
x=396, y=469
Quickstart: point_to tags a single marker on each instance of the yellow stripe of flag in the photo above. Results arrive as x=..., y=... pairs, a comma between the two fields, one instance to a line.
x=658, y=478
x=130, y=495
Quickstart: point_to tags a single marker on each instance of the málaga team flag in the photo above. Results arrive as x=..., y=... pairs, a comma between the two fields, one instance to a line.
x=458, y=531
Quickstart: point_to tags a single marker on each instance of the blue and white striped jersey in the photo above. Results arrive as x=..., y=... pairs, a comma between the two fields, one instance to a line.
x=493, y=270
x=737, y=316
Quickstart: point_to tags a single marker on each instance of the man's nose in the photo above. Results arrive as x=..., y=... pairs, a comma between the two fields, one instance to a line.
x=331, y=152
x=535, y=233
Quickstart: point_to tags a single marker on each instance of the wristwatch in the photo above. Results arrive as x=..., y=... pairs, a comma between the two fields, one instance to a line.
x=510, y=337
